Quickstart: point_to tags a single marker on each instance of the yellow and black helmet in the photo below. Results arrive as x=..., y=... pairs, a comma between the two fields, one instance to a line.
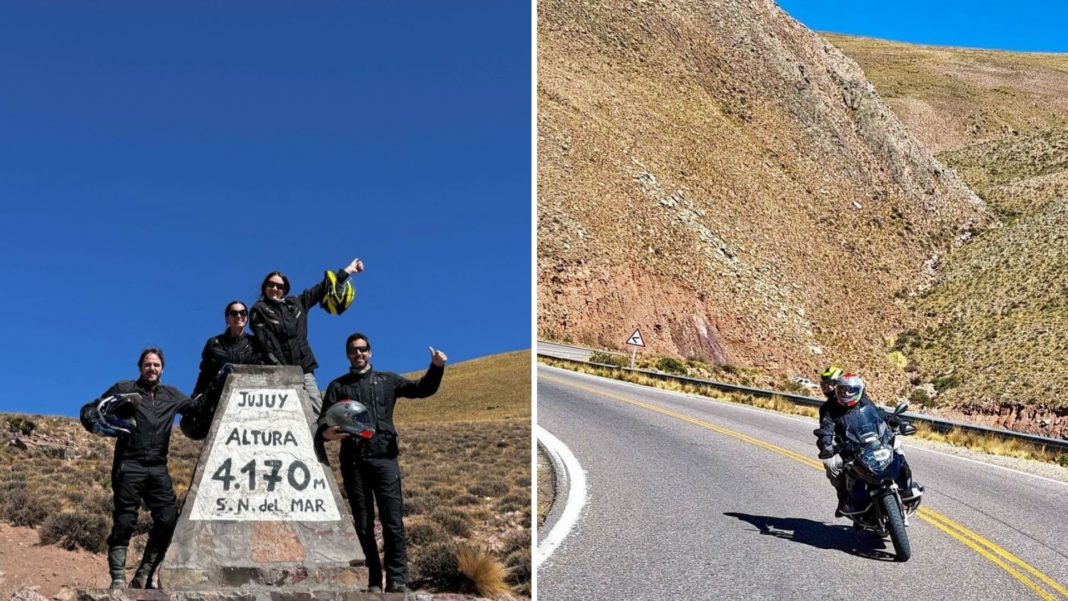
x=829, y=379
x=338, y=297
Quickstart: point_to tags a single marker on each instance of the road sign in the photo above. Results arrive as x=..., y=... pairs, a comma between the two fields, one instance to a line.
x=636, y=339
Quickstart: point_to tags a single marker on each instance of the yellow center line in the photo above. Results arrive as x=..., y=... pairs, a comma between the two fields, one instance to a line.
x=968, y=538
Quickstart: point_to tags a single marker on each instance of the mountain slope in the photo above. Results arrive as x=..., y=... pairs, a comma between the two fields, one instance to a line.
x=996, y=321
x=728, y=181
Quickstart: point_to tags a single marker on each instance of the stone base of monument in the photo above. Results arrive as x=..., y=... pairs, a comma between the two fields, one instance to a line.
x=263, y=520
x=245, y=594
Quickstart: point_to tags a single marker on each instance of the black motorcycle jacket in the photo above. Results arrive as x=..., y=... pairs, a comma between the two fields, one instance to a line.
x=281, y=327
x=222, y=349
x=151, y=439
x=378, y=391
x=832, y=422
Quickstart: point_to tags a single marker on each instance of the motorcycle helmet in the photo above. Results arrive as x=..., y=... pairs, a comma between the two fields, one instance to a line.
x=351, y=417
x=829, y=379
x=195, y=427
x=849, y=390
x=338, y=297
x=115, y=414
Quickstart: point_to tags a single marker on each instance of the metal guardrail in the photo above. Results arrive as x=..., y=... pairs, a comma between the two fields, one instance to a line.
x=939, y=425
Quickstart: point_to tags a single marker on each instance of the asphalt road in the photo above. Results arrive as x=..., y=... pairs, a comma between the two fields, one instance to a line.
x=723, y=501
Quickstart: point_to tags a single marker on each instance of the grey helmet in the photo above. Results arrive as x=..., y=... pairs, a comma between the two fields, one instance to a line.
x=351, y=417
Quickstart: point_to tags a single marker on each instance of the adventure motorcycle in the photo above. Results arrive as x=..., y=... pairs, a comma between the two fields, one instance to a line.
x=877, y=477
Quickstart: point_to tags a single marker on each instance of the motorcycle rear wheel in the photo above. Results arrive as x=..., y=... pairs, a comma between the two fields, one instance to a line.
x=895, y=523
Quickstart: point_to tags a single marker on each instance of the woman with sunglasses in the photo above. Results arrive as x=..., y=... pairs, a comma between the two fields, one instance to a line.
x=233, y=347
x=279, y=323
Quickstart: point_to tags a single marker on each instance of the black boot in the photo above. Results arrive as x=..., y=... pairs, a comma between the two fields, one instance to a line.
x=147, y=569
x=117, y=567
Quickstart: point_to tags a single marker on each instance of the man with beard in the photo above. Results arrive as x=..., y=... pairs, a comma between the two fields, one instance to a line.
x=369, y=466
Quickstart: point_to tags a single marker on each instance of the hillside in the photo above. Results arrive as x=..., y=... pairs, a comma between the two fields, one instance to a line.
x=465, y=459
x=995, y=323
x=731, y=183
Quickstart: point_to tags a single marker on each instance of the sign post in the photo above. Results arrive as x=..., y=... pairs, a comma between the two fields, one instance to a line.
x=635, y=341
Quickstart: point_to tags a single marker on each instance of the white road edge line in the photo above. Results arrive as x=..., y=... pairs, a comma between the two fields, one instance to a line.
x=576, y=494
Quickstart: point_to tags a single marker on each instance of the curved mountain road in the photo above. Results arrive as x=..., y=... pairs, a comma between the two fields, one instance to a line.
x=690, y=498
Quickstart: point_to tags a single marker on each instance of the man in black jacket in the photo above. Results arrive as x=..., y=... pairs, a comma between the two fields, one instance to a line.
x=369, y=467
x=139, y=470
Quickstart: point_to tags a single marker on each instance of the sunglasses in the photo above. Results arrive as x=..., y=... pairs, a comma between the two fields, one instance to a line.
x=359, y=349
x=278, y=285
x=241, y=313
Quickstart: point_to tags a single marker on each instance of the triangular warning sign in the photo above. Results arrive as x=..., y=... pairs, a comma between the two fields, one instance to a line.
x=636, y=339
x=261, y=509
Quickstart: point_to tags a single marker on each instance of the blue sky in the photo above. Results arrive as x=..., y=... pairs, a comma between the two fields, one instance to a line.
x=1026, y=26
x=159, y=159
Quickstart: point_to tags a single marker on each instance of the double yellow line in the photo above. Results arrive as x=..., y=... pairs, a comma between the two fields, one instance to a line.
x=973, y=541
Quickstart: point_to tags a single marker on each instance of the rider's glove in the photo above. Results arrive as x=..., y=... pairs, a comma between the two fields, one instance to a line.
x=833, y=464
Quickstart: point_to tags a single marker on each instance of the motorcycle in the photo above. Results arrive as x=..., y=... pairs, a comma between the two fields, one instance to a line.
x=878, y=479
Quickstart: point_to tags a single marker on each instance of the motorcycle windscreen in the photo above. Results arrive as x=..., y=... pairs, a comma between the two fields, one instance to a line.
x=866, y=431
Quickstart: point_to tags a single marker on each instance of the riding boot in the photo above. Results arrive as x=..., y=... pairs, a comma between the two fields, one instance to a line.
x=147, y=569
x=117, y=567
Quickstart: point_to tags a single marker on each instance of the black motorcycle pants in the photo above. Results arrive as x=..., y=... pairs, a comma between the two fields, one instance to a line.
x=132, y=481
x=370, y=481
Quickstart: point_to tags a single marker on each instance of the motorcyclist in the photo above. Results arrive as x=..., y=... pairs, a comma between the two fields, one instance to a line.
x=828, y=379
x=849, y=395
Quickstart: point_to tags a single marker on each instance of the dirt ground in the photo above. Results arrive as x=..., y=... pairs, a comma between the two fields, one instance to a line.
x=26, y=562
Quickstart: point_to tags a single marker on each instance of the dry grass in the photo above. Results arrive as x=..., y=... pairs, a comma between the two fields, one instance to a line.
x=486, y=574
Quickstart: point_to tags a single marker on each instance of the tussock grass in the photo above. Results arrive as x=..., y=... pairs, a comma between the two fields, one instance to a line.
x=486, y=574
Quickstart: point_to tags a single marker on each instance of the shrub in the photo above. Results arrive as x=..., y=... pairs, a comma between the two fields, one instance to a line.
x=519, y=569
x=72, y=530
x=455, y=524
x=21, y=425
x=609, y=359
x=919, y=396
x=436, y=564
x=424, y=533
x=945, y=382
x=671, y=366
x=488, y=488
x=20, y=509
x=1063, y=461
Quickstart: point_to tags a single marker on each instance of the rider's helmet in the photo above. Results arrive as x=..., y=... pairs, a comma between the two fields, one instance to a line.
x=338, y=296
x=351, y=417
x=849, y=390
x=829, y=378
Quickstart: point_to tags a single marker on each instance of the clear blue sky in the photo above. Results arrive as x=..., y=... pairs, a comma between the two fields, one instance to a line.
x=158, y=159
x=1027, y=26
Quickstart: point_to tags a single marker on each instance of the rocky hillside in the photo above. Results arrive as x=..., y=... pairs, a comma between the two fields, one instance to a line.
x=995, y=324
x=730, y=182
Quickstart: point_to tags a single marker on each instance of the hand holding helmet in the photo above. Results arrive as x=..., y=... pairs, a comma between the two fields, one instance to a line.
x=347, y=418
x=115, y=415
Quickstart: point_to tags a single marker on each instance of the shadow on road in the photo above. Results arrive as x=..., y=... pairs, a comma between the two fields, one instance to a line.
x=819, y=535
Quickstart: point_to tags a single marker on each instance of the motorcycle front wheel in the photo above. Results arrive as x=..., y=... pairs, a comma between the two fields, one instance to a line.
x=895, y=523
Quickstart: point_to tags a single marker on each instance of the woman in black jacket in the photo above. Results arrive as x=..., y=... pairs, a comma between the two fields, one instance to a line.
x=233, y=347
x=279, y=323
